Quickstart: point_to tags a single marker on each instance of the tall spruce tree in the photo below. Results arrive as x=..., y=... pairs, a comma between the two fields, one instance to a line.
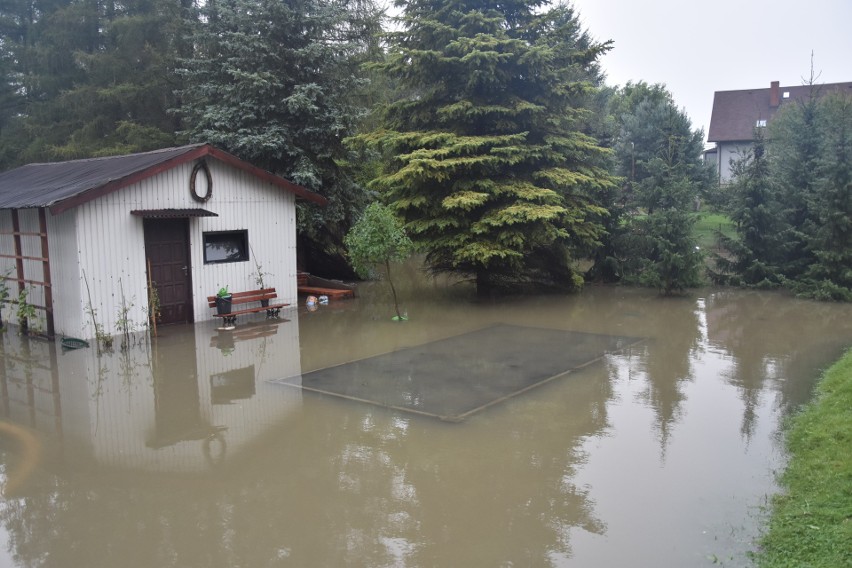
x=92, y=78
x=751, y=258
x=488, y=161
x=794, y=146
x=659, y=155
x=793, y=203
x=275, y=83
x=829, y=237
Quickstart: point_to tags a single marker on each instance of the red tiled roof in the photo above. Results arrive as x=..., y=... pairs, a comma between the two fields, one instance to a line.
x=735, y=113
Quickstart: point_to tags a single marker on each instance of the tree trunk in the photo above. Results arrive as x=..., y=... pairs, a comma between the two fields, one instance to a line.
x=393, y=290
x=484, y=284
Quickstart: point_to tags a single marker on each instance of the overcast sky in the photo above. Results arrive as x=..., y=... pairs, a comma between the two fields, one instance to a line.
x=697, y=48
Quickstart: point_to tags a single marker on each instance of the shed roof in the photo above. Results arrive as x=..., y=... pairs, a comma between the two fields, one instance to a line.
x=735, y=113
x=63, y=185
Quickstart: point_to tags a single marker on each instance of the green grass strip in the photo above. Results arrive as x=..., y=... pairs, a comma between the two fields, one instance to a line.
x=706, y=226
x=811, y=520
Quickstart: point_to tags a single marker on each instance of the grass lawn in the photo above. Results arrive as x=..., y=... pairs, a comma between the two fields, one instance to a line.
x=706, y=226
x=811, y=520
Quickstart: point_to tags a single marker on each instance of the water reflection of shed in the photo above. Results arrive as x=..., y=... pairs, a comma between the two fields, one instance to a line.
x=181, y=404
x=82, y=234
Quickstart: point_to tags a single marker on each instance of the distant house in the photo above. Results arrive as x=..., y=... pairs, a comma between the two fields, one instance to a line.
x=89, y=234
x=736, y=114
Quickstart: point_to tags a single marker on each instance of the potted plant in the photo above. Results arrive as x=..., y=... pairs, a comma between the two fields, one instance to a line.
x=223, y=301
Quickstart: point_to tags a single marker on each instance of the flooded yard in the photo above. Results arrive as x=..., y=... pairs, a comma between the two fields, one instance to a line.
x=627, y=430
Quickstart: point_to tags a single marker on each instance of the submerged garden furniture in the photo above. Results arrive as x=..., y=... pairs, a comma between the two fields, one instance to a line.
x=263, y=296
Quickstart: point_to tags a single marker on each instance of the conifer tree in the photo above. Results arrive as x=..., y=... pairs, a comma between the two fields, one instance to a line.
x=794, y=145
x=91, y=78
x=275, y=83
x=659, y=155
x=751, y=258
x=810, y=167
x=488, y=161
x=829, y=276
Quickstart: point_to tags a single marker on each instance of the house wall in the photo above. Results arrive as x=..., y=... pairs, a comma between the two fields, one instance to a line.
x=111, y=250
x=728, y=152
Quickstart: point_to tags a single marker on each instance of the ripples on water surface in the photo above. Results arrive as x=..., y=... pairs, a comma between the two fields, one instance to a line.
x=189, y=452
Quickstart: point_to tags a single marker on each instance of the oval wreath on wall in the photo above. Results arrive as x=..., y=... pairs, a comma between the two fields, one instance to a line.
x=202, y=165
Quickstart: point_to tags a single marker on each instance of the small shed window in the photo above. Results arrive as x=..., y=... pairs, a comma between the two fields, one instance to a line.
x=226, y=246
x=760, y=123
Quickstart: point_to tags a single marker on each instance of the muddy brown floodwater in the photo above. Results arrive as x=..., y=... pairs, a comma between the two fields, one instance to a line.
x=609, y=428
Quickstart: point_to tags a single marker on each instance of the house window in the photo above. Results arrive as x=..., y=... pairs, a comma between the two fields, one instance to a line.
x=786, y=94
x=225, y=246
x=760, y=123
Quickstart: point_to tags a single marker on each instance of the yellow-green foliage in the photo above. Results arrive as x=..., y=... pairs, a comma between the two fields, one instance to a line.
x=487, y=160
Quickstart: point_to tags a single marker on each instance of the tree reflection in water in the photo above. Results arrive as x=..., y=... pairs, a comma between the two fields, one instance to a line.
x=197, y=459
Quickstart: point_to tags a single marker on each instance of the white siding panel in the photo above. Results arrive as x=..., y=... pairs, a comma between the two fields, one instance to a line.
x=68, y=306
x=112, y=262
x=112, y=251
x=268, y=213
x=7, y=265
x=730, y=152
x=109, y=406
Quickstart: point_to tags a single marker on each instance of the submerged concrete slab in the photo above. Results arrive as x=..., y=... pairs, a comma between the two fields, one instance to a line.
x=455, y=377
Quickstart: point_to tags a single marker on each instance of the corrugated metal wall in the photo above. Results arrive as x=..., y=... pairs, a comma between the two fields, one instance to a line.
x=108, y=401
x=68, y=317
x=112, y=252
x=269, y=214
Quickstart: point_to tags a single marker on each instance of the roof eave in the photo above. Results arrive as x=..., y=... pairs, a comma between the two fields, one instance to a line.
x=191, y=154
x=300, y=191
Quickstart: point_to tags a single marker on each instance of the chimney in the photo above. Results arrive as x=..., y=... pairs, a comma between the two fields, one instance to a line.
x=774, y=94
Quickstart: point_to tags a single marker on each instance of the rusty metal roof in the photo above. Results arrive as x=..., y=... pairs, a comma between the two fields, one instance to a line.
x=63, y=185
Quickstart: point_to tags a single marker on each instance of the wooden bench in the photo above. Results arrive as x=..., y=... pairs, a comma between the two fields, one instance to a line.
x=238, y=298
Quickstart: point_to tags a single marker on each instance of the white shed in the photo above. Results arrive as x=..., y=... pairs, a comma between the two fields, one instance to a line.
x=82, y=235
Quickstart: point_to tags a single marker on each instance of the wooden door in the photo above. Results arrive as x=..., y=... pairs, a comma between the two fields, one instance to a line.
x=167, y=249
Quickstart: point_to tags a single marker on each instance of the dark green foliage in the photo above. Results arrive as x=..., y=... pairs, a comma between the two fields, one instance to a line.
x=659, y=156
x=277, y=84
x=830, y=240
x=793, y=204
x=650, y=129
x=795, y=149
x=659, y=251
x=488, y=163
x=89, y=79
x=751, y=259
